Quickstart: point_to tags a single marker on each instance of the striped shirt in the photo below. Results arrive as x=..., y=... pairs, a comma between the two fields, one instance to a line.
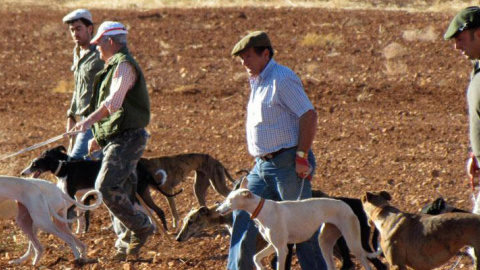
x=123, y=80
x=277, y=101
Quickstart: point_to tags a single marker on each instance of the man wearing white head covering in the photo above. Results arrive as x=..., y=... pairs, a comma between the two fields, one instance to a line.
x=120, y=111
x=86, y=64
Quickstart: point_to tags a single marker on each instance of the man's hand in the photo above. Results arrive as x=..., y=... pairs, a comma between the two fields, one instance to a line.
x=473, y=170
x=83, y=125
x=303, y=168
x=70, y=123
x=93, y=146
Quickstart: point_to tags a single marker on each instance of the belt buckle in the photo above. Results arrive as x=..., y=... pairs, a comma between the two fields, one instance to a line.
x=267, y=157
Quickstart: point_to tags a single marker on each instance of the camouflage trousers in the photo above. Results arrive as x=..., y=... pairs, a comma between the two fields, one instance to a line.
x=117, y=180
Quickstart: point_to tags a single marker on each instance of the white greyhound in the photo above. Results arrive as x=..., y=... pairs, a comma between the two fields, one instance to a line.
x=39, y=200
x=290, y=222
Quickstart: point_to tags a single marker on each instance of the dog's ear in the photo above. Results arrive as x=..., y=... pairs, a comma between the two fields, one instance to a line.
x=385, y=195
x=246, y=194
x=244, y=183
x=366, y=197
x=203, y=210
x=60, y=148
x=439, y=204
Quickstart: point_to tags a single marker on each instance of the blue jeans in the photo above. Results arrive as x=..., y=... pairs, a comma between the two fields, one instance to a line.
x=80, y=148
x=277, y=180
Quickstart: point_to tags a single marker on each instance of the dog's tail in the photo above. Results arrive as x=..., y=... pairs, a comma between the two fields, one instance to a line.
x=227, y=174
x=374, y=255
x=166, y=194
x=84, y=207
x=60, y=218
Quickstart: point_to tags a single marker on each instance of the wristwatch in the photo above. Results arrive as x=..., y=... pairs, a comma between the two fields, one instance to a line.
x=301, y=154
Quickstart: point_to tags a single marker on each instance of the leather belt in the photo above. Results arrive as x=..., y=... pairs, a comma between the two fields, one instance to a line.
x=272, y=155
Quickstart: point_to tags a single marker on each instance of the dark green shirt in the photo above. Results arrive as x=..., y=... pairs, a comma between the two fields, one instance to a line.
x=84, y=70
x=473, y=98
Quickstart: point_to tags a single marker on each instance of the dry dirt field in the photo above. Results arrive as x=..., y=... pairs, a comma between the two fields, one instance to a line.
x=390, y=95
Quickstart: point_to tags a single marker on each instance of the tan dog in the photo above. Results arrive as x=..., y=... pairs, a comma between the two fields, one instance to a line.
x=420, y=241
x=208, y=171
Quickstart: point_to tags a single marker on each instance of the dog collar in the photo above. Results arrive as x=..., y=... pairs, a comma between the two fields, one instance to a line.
x=258, y=209
x=377, y=211
x=60, y=163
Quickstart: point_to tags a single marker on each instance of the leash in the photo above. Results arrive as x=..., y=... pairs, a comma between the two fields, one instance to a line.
x=35, y=146
x=303, y=183
x=153, y=218
x=457, y=262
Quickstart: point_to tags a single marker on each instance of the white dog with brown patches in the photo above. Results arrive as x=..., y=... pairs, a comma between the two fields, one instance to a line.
x=290, y=222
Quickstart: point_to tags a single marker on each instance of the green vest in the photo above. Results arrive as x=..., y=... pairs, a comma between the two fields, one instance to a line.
x=135, y=110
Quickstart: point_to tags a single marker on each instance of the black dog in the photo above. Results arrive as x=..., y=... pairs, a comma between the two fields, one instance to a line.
x=341, y=247
x=440, y=206
x=81, y=174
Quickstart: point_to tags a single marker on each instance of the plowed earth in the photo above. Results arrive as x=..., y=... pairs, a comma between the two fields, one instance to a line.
x=390, y=95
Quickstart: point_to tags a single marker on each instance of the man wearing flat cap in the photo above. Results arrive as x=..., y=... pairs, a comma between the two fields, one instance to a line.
x=120, y=111
x=464, y=29
x=280, y=128
x=86, y=64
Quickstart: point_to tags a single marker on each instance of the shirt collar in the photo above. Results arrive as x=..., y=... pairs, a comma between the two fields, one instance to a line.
x=79, y=49
x=265, y=72
x=268, y=69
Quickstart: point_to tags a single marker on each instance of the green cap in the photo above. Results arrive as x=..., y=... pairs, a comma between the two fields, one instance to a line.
x=252, y=40
x=468, y=18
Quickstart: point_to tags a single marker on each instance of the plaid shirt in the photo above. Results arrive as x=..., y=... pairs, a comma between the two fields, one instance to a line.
x=123, y=79
x=277, y=101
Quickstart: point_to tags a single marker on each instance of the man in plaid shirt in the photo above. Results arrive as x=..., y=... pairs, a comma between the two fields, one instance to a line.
x=281, y=125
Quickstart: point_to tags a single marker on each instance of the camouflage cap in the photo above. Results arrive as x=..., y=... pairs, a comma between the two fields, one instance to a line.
x=252, y=40
x=467, y=18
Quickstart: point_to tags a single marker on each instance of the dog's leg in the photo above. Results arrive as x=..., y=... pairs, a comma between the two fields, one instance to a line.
x=42, y=219
x=87, y=215
x=475, y=257
x=25, y=256
x=270, y=249
x=68, y=238
x=81, y=247
x=327, y=238
x=25, y=222
x=173, y=209
x=200, y=187
x=344, y=254
x=350, y=229
x=151, y=204
x=219, y=184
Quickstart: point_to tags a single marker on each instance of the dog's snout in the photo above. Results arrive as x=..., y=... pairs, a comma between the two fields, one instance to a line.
x=26, y=172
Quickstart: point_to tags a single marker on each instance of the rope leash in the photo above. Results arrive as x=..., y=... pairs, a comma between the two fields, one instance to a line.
x=160, y=227
x=303, y=183
x=35, y=146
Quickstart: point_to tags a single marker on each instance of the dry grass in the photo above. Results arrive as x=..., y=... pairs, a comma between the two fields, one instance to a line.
x=450, y=6
x=394, y=65
x=394, y=50
x=427, y=34
x=395, y=68
x=64, y=86
x=315, y=40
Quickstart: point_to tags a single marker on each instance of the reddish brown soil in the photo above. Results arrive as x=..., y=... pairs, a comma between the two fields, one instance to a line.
x=398, y=125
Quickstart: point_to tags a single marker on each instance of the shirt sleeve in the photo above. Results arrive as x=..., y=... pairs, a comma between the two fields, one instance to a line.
x=292, y=95
x=123, y=80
